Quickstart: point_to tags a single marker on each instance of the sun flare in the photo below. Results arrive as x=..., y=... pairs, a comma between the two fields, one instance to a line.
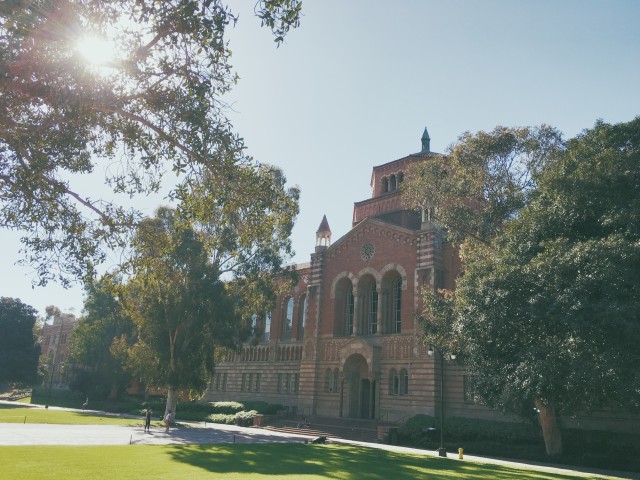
x=97, y=51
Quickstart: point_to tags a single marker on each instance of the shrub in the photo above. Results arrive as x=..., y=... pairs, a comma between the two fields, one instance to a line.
x=221, y=418
x=264, y=408
x=523, y=440
x=244, y=418
x=227, y=407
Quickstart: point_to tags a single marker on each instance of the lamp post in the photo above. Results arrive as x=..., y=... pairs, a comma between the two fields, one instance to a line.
x=442, y=452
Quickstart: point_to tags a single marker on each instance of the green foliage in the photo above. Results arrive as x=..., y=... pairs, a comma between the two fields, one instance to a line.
x=440, y=323
x=227, y=407
x=19, y=349
x=26, y=414
x=215, y=412
x=236, y=227
x=242, y=418
x=547, y=310
x=154, y=108
x=553, y=312
x=263, y=408
x=178, y=304
x=96, y=370
x=424, y=430
x=415, y=431
x=245, y=221
x=484, y=180
x=224, y=418
x=522, y=440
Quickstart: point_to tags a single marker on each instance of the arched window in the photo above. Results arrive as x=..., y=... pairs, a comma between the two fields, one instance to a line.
x=394, y=382
x=267, y=327
x=404, y=382
x=385, y=185
x=396, y=307
x=393, y=186
x=349, y=312
x=302, y=316
x=372, y=314
x=288, y=319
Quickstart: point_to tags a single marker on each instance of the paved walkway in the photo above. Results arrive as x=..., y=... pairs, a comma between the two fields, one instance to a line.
x=199, y=433
x=47, y=434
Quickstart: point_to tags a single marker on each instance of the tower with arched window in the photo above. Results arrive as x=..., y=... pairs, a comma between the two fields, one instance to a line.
x=343, y=341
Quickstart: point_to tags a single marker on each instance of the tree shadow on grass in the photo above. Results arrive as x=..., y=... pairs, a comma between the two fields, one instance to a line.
x=340, y=462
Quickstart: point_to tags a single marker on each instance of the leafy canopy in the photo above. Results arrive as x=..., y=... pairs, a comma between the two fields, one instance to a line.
x=178, y=304
x=19, y=348
x=554, y=313
x=96, y=371
x=483, y=181
x=155, y=105
x=547, y=311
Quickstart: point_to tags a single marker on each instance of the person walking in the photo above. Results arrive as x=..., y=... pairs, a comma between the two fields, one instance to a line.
x=147, y=420
x=168, y=418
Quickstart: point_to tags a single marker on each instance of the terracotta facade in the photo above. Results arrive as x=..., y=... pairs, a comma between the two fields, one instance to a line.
x=344, y=342
x=55, y=348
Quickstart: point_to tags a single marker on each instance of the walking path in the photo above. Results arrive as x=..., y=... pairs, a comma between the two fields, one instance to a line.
x=200, y=433
x=47, y=434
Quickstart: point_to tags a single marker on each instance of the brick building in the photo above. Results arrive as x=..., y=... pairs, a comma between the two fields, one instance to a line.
x=344, y=341
x=55, y=347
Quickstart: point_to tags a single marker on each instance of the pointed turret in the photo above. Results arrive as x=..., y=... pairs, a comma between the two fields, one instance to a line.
x=426, y=141
x=323, y=235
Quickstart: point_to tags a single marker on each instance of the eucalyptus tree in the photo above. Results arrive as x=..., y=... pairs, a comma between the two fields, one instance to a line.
x=482, y=181
x=117, y=92
x=198, y=273
x=177, y=301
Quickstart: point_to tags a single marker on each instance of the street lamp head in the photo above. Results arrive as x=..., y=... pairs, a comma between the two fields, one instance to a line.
x=453, y=356
x=430, y=351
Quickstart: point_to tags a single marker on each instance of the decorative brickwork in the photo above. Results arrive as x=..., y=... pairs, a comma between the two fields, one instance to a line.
x=359, y=353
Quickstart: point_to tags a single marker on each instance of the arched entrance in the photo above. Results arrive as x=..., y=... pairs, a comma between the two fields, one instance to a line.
x=358, y=389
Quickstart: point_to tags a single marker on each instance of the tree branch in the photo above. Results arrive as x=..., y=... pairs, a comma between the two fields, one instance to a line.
x=161, y=133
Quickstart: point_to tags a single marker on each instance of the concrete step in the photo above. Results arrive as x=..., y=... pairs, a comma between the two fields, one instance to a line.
x=360, y=430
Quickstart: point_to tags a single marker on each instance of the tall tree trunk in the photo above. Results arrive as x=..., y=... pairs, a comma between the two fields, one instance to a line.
x=550, y=430
x=172, y=401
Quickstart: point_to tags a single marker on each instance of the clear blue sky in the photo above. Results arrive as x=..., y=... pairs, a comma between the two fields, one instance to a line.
x=357, y=83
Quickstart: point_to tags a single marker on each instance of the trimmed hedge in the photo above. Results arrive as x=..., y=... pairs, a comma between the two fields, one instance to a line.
x=242, y=418
x=215, y=412
x=523, y=440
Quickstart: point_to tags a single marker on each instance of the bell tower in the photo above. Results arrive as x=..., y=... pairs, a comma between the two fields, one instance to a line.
x=323, y=235
x=426, y=141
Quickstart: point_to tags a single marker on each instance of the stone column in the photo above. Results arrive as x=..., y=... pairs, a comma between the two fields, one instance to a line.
x=356, y=312
x=381, y=305
x=372, y=392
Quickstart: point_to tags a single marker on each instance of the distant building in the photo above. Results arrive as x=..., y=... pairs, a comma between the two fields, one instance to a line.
x=55, y=348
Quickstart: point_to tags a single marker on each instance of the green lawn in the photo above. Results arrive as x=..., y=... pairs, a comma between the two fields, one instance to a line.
x=242, y=462
x=234, y=462
x=10, y=414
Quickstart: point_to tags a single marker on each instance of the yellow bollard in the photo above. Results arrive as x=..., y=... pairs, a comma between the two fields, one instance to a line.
x=460, y=452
